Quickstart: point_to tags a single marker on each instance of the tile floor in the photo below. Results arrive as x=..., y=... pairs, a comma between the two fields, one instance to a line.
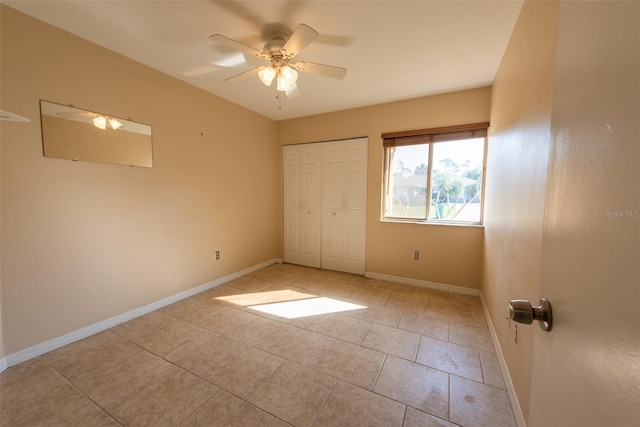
x=396, y=356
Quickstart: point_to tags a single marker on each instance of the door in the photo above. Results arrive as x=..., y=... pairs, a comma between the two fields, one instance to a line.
x=302, y=204
x=586, y=371
x=344, y=170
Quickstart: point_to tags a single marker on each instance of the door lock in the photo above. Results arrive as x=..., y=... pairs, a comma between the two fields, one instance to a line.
x=522, y=311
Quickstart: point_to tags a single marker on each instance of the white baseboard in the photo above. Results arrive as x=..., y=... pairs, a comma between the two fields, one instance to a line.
x=55, y=343
x=424, y=284
x=515, y=403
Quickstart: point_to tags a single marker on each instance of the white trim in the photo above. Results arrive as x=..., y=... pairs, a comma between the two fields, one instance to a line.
x=424, y=284
x=55, y=343
x=3, y=364
x=513, y=397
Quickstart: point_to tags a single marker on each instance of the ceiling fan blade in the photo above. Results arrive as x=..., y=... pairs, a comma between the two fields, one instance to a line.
x=244, y=74
x=321, y=69
x=219, y=38
x=293, y=91
x=301, y=37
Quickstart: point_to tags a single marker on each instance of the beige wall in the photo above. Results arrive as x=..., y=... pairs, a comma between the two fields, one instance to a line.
x=448, y=255
x=516, y=181
x=83, y=242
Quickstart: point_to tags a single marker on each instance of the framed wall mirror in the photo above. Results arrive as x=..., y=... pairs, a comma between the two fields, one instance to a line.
x=75, y=134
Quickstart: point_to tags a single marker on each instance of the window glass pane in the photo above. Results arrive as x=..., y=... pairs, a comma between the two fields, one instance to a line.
x=456, y=180
x=407, y=192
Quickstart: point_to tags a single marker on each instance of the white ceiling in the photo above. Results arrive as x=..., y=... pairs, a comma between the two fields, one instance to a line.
x=393, y=50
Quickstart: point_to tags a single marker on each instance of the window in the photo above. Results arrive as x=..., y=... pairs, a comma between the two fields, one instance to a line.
x=435, y=175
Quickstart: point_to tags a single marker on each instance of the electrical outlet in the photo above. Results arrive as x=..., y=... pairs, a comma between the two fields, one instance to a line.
x=217, y=255
x=416, y=255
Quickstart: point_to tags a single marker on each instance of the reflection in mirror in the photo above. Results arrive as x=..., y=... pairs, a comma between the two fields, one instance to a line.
x=75, y=134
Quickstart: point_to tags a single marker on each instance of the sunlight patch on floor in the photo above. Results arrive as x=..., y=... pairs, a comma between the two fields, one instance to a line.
x=306, y=307
x=256, y=298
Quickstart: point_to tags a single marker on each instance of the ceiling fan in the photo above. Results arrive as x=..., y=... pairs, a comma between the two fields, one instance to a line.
x=280, y=52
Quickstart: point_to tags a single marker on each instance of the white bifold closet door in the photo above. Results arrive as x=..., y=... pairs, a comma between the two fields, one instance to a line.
x=302, y=204
x=344, y=195
x=325, y=204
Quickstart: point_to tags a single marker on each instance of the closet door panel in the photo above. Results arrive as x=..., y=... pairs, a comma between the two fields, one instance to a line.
x=302, y=192
x=355, y=202
x=344, y=204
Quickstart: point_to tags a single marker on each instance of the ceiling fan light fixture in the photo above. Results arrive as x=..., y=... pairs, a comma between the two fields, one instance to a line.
x=100, y=122
x=287, y=77
x=114, y=123
x=267, y=74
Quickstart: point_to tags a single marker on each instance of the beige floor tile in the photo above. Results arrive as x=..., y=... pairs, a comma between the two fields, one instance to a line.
x=311, y=284
x=193, y=310
x=277, y=422
x=424, y=324
x=478, y=404
x=337, y=290
x=392, y=341
x=345, y=328
x=449, y=357
x=478, y=317
x=200, y=354
x=415, y=418
x=112, y=386
x=366, y=283
x=352, y=363
x=340, y=278
x=309, y=272
x=407, y=302
x=262, y=332
x=310, y=323
x=349, y=405
x=87, y=414
x=208, y=342
x=212, y=294
x=415, y=385
x=395, y=288
x=250, y=283
x=269, y=295
x=294, y=394
x=158, y=333
x=32, y=393
x=471, y=335
x=165, y=402
x=302, y=346
x=243, y=371
x=371, y=295
x=96, y=352
x=491, y=369
x=431, y=294
x=388, y=316
x=450, y=312
x=277, y=274
x=467, y=300
x=226, y=410
x=227, y=321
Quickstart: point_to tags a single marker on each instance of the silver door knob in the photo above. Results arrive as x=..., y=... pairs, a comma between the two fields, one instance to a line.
x=522, y=311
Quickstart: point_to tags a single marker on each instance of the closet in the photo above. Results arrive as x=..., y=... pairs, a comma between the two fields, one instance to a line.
x=325, y=188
